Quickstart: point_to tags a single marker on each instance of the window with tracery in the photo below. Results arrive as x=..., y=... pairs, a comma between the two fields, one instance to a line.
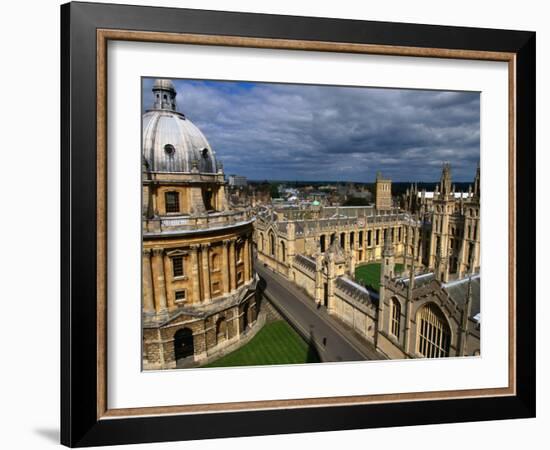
x=433, y=335
x=395, y=317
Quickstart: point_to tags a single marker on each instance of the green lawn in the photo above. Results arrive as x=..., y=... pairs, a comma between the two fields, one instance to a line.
x=275, y=343
x=369, y=274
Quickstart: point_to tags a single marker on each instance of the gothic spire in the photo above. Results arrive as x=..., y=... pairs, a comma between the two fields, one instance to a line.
x=477, y=181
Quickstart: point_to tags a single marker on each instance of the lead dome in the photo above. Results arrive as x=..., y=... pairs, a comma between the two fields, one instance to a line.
x=171, y=142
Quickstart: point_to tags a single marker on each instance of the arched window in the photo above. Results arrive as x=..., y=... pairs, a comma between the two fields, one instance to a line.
x=208, y=198
x=283, y=251
x=271, y=244
x=395, y=317
x=323, y=243
x=433, y=334
x=262, y=242
x=221, y=330
x=183, y=343
x=172, y=201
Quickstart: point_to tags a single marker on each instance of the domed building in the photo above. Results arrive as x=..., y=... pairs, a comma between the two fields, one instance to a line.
x=198, y=283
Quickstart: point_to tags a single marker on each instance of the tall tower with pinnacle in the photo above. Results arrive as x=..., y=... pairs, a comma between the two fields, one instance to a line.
x=445, y=186
x=441, y=249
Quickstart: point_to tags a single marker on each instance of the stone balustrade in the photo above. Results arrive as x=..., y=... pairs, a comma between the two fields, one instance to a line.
x=190, y=223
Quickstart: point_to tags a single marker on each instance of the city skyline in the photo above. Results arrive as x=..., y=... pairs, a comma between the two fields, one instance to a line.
x=331, y=133
x=233, y=277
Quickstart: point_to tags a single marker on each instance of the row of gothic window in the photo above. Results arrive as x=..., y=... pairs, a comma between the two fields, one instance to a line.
x=271, y=249
x=377, y=240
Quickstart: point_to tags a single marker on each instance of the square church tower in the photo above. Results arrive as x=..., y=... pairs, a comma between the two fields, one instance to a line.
x=383, y=192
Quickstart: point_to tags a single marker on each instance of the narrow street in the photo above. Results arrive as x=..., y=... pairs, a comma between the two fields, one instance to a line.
x=334, y=341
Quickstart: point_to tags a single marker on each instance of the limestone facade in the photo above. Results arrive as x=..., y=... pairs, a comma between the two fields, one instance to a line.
x=282, y=233
x=453, y=223
x=382, y=189
x=431, y=309
x=198, y=285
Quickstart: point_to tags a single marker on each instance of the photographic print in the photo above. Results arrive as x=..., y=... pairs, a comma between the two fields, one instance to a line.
x=297, y=224
x=306, y=211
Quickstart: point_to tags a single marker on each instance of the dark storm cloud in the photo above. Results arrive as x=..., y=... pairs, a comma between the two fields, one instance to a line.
x=296, y=132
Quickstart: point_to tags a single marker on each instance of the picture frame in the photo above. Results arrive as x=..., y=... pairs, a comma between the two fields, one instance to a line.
x=86, y=418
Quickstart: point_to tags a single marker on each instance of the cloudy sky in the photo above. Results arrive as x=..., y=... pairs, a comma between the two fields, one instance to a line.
x=309, y=132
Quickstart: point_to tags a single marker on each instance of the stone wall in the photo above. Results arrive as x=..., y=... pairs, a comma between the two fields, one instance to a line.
x=303, y=276
x=209, y=334
x=351, y=302
x=355, y=308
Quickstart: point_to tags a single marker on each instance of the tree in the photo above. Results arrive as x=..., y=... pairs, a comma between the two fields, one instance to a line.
x=274, y=190
x=356, y=201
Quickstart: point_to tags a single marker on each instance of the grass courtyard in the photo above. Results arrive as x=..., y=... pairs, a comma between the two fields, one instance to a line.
x=369, y=274
x=275, y=343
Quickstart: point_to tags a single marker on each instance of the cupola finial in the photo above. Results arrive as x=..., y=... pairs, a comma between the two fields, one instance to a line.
x=165, y=95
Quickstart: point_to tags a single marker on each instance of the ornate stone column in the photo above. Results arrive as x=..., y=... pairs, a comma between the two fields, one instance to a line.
x=159, y=282
x=246, y=257
x=195, y=275
x=154, y=194
x=168, y=281
x=225, y=266
x=250, y=256
x=205, y=271
x=147, y=280
x=232, y=265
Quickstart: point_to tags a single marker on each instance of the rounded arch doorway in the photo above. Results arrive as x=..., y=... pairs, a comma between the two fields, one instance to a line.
x=183, y=343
